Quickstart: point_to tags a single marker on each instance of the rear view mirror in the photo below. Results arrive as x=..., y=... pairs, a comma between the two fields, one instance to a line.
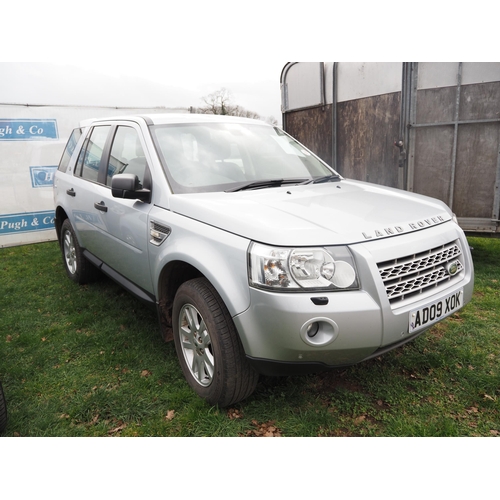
x=128, y=186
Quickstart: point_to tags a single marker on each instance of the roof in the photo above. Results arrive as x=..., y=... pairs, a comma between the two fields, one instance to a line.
x=173, y=118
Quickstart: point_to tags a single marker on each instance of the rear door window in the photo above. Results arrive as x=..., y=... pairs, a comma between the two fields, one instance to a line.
x=91, y=154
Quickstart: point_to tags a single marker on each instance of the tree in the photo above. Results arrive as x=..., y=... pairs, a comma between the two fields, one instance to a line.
x=239, y=111
x=217, y=103
x=220, y=103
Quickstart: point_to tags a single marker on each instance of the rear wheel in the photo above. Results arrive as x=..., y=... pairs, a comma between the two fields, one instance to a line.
x=78, y=268
x=208, y=347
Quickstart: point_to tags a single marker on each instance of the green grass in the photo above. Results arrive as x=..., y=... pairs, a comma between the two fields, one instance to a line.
x=89, y=361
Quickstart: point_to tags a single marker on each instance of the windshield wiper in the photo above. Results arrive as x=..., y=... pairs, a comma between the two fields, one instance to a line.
x=265, y=184
x=325, y=178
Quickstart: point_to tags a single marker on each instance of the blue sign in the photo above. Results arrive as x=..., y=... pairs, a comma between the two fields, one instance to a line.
x=27, y=222
x=42, y=176
x=28, y=130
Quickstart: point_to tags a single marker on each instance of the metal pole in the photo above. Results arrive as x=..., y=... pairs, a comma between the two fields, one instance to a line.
x=404, y=119
x=413, y=85
x=284, y=93
x=455, y=136
x=334, y=116
x=322, y=83
x=459, y=122
x=496, y=203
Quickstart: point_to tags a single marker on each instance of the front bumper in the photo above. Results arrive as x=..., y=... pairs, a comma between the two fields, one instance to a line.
x=353, y=326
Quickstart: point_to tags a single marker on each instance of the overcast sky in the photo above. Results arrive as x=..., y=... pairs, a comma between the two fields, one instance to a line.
x=172, y=54
x=143, y=53
x=253, y=85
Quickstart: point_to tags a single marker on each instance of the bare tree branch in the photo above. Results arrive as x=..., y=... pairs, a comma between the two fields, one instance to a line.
x=220, y=103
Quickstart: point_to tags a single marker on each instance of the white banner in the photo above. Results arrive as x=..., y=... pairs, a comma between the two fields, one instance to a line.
x=32, y=140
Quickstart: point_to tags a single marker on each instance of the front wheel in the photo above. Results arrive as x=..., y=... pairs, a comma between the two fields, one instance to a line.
x=208, y=347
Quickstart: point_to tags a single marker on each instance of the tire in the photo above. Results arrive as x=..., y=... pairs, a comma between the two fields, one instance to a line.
x=3, y=411
x=78, y=268
x=208, y=347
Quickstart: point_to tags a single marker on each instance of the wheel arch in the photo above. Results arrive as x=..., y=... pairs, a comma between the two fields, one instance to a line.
x=60, y=217
x=172, y=276
x=179, y=270
x=194, y=250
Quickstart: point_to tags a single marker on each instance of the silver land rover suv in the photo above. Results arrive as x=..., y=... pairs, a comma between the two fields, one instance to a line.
x=258, y=257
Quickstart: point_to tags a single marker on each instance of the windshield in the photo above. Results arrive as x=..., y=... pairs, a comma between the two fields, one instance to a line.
x=205, y=157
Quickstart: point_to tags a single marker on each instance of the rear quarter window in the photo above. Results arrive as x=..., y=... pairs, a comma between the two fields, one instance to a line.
x=69, y=149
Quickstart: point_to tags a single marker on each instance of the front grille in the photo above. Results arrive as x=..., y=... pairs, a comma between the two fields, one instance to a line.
x=413, y=275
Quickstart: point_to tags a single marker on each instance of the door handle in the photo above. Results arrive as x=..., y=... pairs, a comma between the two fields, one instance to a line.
x=71, y=192
x=101, y=206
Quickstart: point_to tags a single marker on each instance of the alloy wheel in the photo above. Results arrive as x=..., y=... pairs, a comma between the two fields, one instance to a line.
x=196, y=345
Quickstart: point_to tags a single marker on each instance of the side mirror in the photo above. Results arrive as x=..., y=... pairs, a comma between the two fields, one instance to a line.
x=128, y=186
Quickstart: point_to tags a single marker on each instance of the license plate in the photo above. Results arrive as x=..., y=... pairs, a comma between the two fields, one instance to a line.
x=436, y=311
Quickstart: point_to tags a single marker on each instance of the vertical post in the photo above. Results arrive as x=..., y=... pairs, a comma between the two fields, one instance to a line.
x=455, y=136
x=413, y=85
x=322, y=83
x=334, y=116
x=284, y=93
x=496, y=203
x=403, y=125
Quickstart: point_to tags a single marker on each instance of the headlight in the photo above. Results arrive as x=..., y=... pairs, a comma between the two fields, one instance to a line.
x=296, y=269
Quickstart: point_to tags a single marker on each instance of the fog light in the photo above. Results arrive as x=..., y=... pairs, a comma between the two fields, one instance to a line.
x=318, y=332
x=312, y=329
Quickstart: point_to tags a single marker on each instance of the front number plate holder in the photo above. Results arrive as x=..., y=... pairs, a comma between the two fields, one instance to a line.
x=431, y=313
